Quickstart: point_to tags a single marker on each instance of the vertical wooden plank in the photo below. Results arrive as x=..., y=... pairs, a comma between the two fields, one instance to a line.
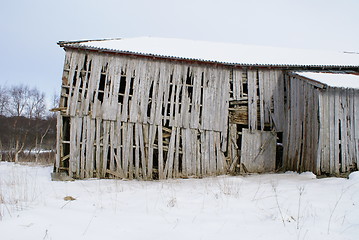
x=59, y=137
x=356, y=123
x=170, y=155
x=212, y=155
x=155, y=93
x=205, y=100
x=187, y=151
x=184, y=152
x=237, y=84
x=151, y=139
x=331, y=119
x=196, y=98
x=166, y=97
x=252, y=99
x=146, y=154
x=120, y=149
x=189, y=157
x=90, y=146
x=134, y=113
x=125, y=149
x=323, y=147
x=137, y=151
x=177, y=108
x=114, y=85
x=76, y=65
x=144, y=90
x=83, y=140
x=279, y=102
x=105, y=148
x=85, y=85
x=224, y=106
x=316, y=130
x=130, y=150
x=143, y=152
x=193, y=158
x=125, y=105
x=220, y=160
x=93, y=86
x=79, y=127
x=73, y=152
x=98, y=147
x=351, y=130
x=160, y=153
x=320, y=135
x=177, y=152
x=159, y=97
x=204, y=153
x=198, y=155
x=343, y=129
x=112, y=145
x=173, y=86
x=356, y=131
x=261, y=97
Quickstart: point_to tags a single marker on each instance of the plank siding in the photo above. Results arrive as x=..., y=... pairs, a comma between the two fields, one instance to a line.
x=157, y=119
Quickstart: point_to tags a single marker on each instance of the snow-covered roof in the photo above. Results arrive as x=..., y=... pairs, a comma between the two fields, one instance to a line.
x=226, y=53
x=342, y=80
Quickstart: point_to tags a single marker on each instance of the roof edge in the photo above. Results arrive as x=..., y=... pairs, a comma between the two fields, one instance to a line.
x=63, y=43
x=76, y=45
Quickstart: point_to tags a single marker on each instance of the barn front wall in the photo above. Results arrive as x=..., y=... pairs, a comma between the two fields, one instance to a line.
x=143, y=118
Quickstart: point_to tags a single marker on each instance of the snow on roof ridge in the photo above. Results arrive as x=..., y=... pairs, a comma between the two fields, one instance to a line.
x=332, y=79
x=227, y=53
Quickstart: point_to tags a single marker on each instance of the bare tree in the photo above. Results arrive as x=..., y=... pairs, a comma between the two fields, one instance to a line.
x=4, y=100
x=24, y=122
x=18, y=100
x=3, y=104
x=39, y=141
x=35, y=106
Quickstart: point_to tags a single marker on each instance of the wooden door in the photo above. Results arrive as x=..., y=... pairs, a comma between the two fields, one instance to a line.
x=258, y=153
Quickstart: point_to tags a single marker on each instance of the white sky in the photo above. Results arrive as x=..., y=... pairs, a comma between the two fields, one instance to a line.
x=30, y=29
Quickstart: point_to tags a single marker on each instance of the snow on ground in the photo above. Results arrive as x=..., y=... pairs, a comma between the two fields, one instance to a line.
x=268, y=206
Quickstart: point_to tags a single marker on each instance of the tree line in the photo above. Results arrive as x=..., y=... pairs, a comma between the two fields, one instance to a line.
x=27, y=127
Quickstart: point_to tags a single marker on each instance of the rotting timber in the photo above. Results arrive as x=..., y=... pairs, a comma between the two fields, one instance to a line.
x=129, y=117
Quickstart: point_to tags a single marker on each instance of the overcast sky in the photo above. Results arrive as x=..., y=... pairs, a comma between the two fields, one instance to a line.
x=31, y=29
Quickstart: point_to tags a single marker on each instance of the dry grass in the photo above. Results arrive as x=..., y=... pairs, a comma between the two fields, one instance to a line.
x=18, y=190
x=44, y=158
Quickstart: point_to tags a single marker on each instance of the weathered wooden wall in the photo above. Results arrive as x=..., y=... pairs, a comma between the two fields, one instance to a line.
x=133, y=118
x=339, y=130
x=301, y=135
x=144, y=118
x=322, y=128
x=257, y=105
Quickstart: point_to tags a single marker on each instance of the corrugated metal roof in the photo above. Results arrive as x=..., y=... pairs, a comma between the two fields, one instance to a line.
x=341, y=80
x=224, y=53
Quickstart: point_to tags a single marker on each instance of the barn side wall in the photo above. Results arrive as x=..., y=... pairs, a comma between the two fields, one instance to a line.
x=154, y=119
x=322, y=129
x=301, y=134
x=339, y=130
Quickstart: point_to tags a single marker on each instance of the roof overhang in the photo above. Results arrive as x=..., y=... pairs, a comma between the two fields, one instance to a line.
x=87, y=45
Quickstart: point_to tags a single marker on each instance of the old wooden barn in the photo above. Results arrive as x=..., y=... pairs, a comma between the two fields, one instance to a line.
x=152, y=108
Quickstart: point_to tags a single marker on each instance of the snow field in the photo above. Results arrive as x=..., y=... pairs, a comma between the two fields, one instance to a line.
x=268, y=206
